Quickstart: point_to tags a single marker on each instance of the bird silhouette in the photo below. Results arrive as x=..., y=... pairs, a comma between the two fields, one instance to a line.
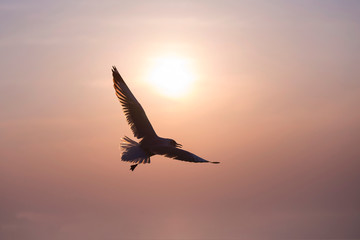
x=150, y=144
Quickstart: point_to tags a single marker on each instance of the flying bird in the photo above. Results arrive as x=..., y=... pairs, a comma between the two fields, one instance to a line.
x=150, y=143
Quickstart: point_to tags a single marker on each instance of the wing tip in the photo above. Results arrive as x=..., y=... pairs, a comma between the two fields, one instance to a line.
x=116, y=75
x=215, y=162
x=115, y=72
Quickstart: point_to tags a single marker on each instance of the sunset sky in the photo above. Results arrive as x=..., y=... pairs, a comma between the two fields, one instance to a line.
x=271, y=89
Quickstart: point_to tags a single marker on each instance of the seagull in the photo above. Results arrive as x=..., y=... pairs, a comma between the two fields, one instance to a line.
x=150, y=143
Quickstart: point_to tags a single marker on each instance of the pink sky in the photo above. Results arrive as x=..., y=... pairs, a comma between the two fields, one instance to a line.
x=276, y=101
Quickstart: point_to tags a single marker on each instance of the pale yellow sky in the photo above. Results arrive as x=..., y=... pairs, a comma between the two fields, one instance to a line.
x=275, y=99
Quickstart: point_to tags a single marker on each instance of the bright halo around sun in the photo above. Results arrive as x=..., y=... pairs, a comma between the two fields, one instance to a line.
x=171, y=76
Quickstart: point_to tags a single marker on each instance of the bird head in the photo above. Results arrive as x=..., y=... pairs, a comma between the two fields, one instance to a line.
x=175, y=144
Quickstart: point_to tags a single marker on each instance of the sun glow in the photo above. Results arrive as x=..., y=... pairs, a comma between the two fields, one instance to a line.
x=171, y=76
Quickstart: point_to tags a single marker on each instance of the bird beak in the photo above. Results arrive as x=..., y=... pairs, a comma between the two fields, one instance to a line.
x=178, y=145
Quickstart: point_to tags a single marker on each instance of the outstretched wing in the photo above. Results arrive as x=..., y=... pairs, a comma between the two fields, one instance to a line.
x=135, y=114
x=179, y=154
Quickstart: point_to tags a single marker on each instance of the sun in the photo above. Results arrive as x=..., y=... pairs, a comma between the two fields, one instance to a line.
x=172, y=76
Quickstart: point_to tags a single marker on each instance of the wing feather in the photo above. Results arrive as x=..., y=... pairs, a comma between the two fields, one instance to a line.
x=179, y=154
x=135, y=114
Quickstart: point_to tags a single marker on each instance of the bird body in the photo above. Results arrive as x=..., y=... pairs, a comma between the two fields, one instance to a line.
x=150, y=144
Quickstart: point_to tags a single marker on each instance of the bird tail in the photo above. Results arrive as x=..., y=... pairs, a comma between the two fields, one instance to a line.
x=132, y=152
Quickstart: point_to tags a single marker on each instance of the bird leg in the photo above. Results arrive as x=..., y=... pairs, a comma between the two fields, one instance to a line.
x=132, y=167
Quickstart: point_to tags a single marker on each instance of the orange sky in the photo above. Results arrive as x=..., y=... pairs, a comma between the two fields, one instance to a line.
x=275, y=100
